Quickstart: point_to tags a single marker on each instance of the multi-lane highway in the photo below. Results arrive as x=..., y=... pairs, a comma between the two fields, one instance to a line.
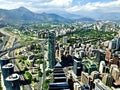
x=7, y=48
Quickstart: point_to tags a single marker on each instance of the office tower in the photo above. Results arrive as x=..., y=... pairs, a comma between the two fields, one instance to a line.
x=65, y=39
x=117, y=39
x=51, y=53
x=95, y=75
x=61, y=50
x=82, y=53
x=112, y=44
x=108, y=80
x=60, y=79
x=115, y=73
x=100, y=55
x=102, y=67
x=113, y=66
x=4, y=61
x=7, y=70
x=84, y=78
x=13, y=82
x=59, y=73
x=69, y=60
x=77, y=67
x=115, y=58
x=108, y=55
x=58, y=68
x=100, y=86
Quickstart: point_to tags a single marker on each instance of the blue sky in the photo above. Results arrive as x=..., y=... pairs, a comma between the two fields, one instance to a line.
x=71, y=6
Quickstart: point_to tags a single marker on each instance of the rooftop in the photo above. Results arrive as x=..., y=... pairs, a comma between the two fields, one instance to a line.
x=9, y=65
x=12, y=77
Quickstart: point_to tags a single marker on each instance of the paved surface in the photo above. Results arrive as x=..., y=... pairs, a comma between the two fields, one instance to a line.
x=10, y=43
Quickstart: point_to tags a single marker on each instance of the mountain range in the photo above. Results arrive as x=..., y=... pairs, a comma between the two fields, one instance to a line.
x=23, y=15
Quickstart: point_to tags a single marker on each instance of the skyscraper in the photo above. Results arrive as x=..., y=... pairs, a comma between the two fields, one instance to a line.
x=51, y=54
x=7, y=70
x=102, y=67
x=95, y=75
x=13, y=82
x=78, y=67
x=115, y=73
x=100, y=55
x=4, y=61
x=108, y=80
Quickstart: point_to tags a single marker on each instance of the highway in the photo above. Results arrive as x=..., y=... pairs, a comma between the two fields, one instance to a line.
x=7, y=48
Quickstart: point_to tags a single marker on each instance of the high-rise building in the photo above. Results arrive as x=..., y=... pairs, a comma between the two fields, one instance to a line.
x=65, y=39
x=82, y=53
x=100, y=55
x=4, y=61
x=59, y=86
x=112, y=44
x=113, y=66
x=115, y=59
x=77, y=67
x=102, y=67
x=108, y=55
x=117, y=39
x=108, y=80
x=7, y=70
x=100, y=86
x=84, y=78
x=59, y=79
x=13, y=82
x=51, y=54
x=61, y=51
x=115, y=73
x=95, y=75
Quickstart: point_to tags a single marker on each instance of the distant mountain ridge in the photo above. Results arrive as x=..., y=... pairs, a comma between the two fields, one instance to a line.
x=24, y=15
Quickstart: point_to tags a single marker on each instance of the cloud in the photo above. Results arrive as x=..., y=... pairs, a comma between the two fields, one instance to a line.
x=112, y=6
x=58, y=3
x=36, y=5
x=71, y=6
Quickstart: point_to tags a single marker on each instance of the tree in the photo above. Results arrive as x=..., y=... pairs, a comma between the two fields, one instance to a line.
x=28, y=75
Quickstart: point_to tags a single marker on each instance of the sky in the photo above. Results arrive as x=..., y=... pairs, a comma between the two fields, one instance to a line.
x=70, y=6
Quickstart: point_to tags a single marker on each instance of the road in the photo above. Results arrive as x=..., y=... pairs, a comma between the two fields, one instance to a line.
x=11, y=44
